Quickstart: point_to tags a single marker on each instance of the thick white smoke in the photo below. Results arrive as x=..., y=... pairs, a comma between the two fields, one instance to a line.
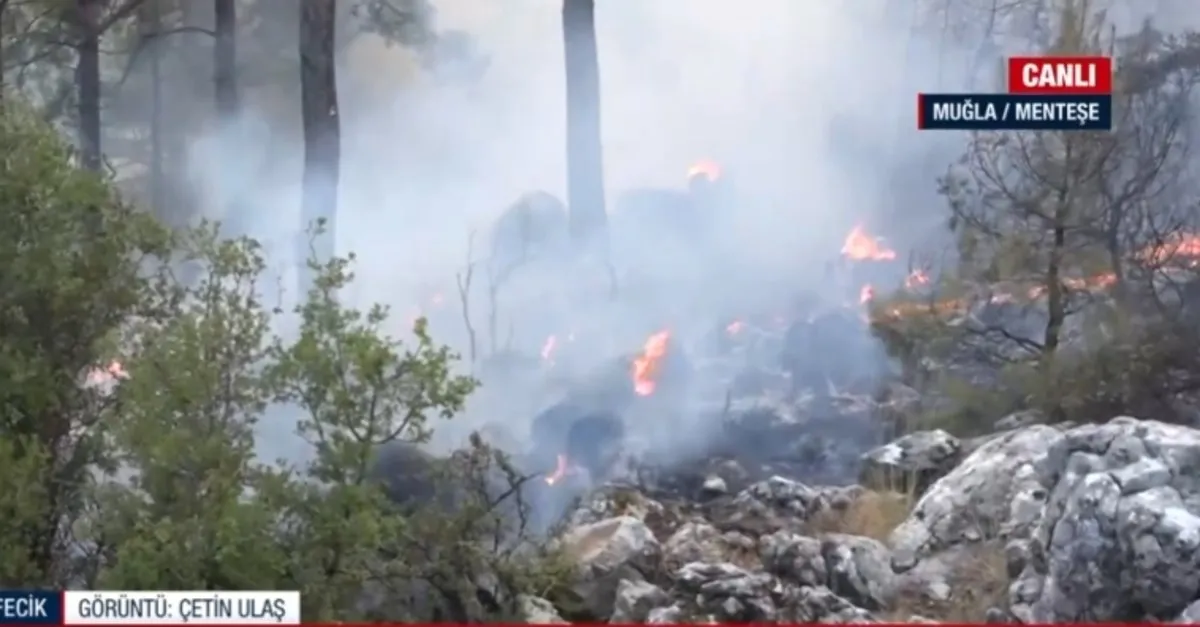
x=808, y=105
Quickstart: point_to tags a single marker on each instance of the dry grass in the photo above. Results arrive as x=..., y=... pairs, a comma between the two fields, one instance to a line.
x=980, y=582
x=872, y=515
x=980, y=577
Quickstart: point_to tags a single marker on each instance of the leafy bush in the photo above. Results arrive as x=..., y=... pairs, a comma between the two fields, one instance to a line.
x=135, y=405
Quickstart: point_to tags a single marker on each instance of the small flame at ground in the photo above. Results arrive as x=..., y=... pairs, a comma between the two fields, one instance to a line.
x=548, y=348
x=645, y=367
x=860, y=246
x=114, y=371
x=866, y=294
x=708, y=169
x=915, y=279
x=561, y=468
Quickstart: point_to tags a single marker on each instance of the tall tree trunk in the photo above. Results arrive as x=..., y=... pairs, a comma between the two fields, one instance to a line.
x=322, y=130
x=150, y=22
x=87, y=81
x=3, y=24
x=226, y=94
x=224, y=59
x=585, y=163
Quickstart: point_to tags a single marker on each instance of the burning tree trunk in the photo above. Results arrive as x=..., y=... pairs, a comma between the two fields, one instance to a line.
x=585, y=164
x=322, y=131
x=87, y=81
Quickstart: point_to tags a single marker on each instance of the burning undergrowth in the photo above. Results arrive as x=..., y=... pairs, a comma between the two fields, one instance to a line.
x=656, y=381
x=683, y=399
x=646, y=379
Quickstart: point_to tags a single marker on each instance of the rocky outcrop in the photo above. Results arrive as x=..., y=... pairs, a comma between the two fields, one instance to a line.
x=1097, y=522
x=912, y=462
x=1119, y=534
x=1038, y=524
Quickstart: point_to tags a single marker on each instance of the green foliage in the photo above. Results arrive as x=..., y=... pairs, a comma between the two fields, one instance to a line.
x=152, y=477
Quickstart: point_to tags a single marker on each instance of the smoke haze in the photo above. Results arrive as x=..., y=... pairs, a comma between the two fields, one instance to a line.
x=807, y=106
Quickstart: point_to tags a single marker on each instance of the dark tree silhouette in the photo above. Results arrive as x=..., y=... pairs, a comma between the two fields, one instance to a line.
x=585, y=164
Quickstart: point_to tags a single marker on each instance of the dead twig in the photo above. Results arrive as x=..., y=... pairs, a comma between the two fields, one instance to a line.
x=463, y=280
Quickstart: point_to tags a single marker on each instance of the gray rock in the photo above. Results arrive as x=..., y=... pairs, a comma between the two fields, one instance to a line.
x=715, y=485
x=852, y=567
x=859, y=570
x=1119, y=537
x=729, y=592
x=818, y=604
x=911, y=463
x=636, y=600
x=539, y=611
x=780, y=503
x=608, y=552
x=1190, y=614
x=993, y=492
x=794, y=558
x=672, y=614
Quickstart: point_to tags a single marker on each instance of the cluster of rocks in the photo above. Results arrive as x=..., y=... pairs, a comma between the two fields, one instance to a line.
x=1036, y=524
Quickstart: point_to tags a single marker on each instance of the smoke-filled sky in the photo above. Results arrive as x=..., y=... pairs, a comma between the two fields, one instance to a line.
x=807, y=105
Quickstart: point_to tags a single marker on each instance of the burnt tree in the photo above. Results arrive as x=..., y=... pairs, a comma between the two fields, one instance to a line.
x=585, y=165
x=319, y=112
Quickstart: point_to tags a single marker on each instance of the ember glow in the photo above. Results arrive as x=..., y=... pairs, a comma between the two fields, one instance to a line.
x=561, y=468
x=548, y=347
x=861, y=246
x=916, y=279
x=866, y=294
x=647, y=365
x=114, y=371
x=735, y=327
x=708, y=169
x=1183, y=248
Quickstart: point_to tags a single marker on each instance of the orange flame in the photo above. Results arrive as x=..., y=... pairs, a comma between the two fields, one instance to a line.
x=645, y=367
x=860, y=246
x=735, y=327
x=548, y=347
x=706, y=168
x=915, y=279
x=114, y=371
x=561, y=469
x=866, y=294
x=1180, y=246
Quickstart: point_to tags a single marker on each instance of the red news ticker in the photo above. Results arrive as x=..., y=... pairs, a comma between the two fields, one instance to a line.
x=1060, y=75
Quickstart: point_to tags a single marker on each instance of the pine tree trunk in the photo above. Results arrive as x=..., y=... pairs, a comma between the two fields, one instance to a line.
x=3, y=21
x=150, y=22
x=585, y=164
x=226, y=94
x=224, y=59
x=87, y=81
x=319, y=113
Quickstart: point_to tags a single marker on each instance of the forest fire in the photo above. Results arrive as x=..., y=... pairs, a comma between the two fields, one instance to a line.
x=548, y=348
x=860, y=246
x=111, y=373
x=735, y=327
x=647, y=365
x=708, y=169
x=1184, y=251
x=561, y=469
